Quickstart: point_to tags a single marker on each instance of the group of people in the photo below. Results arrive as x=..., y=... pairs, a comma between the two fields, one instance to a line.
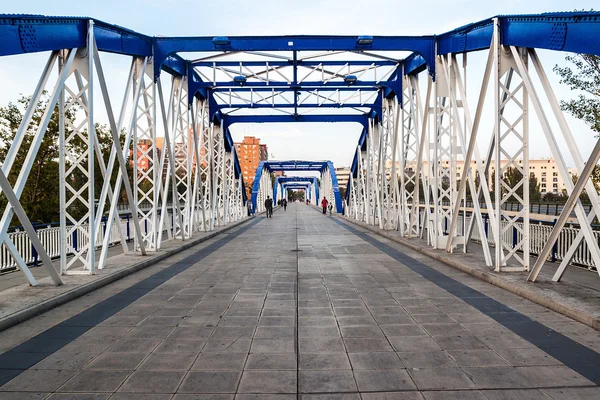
x=269, y=206
x=283, y=203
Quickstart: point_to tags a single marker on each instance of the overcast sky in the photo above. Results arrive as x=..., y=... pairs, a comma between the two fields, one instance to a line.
x=19, y=74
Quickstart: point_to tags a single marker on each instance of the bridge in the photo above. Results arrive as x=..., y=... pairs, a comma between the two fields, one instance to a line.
x=411, y=289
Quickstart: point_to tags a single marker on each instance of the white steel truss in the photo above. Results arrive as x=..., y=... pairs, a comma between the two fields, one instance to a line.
x=326, y=189
x=410, y=157
x=265, y=189
x=438, y=129
x=89, y=195
x=146, y=170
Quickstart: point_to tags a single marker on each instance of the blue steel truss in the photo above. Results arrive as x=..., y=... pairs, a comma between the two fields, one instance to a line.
x=242, y=84
x=297, y=165
x=243, y=87
x=295, y=182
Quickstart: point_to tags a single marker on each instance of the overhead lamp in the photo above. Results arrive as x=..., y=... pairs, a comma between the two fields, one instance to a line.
x=350, y=79
x=220, y=41
x=241, y=79
x=364, y=40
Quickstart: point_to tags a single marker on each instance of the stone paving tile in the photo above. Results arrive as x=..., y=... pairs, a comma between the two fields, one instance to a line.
x=573, y=393
x=95, y=381
x=80, y=396
x=117, y=361
x=210, y=382
x=171, y=362
x=443, y=378
x=268, y=382
x=220, y=361
x=455, y=395
x=375, y=361
x=271, y=362
x=327, y=381
x=323, y=361
x=153, y=382
x=38, y=381
x=383, y=380
x=426, y=359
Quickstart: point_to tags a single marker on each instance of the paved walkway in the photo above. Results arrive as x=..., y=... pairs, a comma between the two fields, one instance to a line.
x=299, y=306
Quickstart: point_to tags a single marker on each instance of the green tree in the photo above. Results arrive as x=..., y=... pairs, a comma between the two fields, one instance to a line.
x=513, y=176
x=40, y=197
x=583, y=75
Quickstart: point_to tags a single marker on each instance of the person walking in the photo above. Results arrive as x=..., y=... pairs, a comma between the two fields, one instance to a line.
x=324, y=203
x=284, y=203
x=269, y=207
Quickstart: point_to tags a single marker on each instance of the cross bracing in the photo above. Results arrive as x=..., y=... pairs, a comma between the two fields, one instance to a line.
x=184, y=93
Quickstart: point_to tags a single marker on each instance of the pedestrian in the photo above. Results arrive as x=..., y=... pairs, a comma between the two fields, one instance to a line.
x=269, y=207
x=284, y=202
x=324, y=203
x=249, y=205
x=330, y=209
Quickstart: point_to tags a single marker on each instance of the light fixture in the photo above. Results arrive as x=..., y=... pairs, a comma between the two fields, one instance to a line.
x=220, y=41
x=350, y=79
x=364, y=40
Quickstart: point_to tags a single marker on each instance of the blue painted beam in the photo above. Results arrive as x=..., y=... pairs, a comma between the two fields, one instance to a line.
x=287, y=179
x=22, y=33
x=287, y=105
x=576, y=32
x=229, y=120
x=266, y=89
x=301, y=63
x=304, y=85
x=423, y=45
x=339, y=206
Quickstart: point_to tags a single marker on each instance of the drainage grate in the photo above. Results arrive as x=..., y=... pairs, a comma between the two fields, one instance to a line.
x=296, y=250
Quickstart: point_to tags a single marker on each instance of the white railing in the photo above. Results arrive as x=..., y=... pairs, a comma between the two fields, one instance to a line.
x=50, y=238
x=539, y=234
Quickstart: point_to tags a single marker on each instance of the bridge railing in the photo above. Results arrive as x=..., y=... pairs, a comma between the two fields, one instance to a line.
x=50, y=238
x=539, y=232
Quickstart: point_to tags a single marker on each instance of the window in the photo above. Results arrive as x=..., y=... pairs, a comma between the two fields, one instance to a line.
x=543, y=179
x=554, y=179
x=543, y=185
x=555, y=174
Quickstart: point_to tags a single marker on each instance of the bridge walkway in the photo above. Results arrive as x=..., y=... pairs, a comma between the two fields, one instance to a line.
x=299, y=306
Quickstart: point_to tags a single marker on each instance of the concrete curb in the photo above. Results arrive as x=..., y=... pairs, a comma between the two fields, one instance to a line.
x=568, y=311
x=30, y=312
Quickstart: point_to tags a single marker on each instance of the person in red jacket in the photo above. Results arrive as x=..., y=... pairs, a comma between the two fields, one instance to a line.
x=324, y=203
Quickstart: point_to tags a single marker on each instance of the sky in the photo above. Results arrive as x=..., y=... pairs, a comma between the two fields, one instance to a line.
x=337, y=142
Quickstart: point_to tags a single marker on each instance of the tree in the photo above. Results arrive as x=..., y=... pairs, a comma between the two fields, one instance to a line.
x=513, y=176
x=584, y=77
x=40, y=197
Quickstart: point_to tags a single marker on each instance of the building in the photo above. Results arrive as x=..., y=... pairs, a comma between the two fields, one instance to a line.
x=343, y=175
x=250, y=153
x=544, y=170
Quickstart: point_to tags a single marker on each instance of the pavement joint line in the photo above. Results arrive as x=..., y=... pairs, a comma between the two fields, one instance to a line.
x=571, y=353
x=545, y=301
x=23, y=356
x=81, y=290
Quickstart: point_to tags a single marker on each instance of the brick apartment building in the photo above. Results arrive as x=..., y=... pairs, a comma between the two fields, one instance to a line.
x=250, y=152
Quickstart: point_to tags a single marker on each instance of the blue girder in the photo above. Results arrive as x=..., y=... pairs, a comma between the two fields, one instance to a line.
x=362, y=119
x=565, y=31
x=297, y=165
x=293, y=182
